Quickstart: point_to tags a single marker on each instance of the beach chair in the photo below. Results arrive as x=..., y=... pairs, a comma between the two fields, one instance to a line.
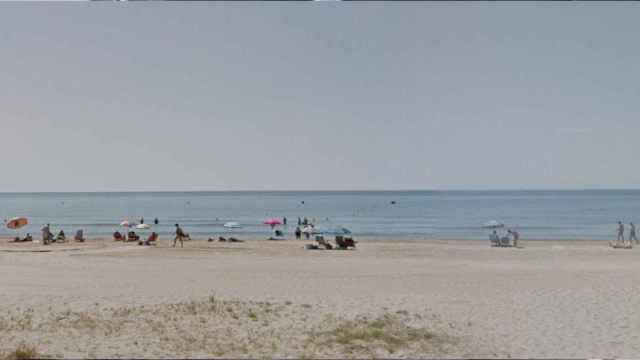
x=151, y=240
x=505, y=241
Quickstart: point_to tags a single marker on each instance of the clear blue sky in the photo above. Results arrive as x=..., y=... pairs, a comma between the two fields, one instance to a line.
x=224, y=96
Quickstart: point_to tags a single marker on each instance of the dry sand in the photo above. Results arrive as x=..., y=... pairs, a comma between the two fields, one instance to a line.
x=275, y=299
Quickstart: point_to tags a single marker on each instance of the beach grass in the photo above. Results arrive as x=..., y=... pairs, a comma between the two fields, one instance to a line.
x=214, y=327
x=23, y=351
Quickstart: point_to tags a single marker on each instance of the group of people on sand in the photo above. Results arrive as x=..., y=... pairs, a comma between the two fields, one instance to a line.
x=620, y=240
x=181, y=236
x=48, y=238
x=510, y=239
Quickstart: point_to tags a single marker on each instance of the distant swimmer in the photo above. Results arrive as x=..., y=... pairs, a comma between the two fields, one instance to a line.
x=302, y=202
x=393, y=202
x=155, y=221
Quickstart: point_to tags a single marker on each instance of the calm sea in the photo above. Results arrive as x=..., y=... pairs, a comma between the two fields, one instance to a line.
x=585, y=214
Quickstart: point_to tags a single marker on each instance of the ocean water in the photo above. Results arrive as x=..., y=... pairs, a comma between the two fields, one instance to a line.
x=422, y=215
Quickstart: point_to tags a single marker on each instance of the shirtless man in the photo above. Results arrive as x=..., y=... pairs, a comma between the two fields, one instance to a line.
x=179, y=236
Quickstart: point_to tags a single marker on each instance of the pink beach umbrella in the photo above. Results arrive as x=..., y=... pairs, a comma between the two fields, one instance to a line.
x=272, y=222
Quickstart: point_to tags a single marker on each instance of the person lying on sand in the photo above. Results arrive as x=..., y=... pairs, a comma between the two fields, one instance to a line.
x=26, y=238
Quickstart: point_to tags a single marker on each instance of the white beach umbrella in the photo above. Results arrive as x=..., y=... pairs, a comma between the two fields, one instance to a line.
x=125, y=223
x=143, y=226
x=232, y=225
x=493, y=224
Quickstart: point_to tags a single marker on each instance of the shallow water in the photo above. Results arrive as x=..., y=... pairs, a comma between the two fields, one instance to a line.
x=576, y=214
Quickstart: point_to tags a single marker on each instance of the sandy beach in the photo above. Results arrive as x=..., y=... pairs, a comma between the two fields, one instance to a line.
x=275, y=299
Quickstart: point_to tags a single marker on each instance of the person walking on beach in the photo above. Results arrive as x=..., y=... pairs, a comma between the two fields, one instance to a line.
x=620, y=238
x=179, y=236
x=632, y=233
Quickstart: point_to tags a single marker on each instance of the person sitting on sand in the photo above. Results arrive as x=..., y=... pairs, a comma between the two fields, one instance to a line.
x=79, y=236
x=150, y=240
x=28, y=237
x=132, y=236
x=117, y=236
x=61, y=237
x=179, y=236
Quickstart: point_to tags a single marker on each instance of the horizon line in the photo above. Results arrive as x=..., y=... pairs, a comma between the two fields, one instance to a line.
x=319, y=191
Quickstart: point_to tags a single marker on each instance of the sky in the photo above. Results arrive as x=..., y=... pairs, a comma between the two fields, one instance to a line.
x=154, y=96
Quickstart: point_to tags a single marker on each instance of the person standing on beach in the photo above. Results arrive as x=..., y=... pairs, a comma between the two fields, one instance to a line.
x=620, y=232
x=516, y=237
x=46, y=234
x=298, y=233
x=299, y=221
x=142, y=220
x=632, y=233
x=155, y=221
x=179, y=236
x=284, y=221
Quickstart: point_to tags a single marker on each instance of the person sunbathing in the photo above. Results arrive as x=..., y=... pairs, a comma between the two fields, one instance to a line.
x=26, y=238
